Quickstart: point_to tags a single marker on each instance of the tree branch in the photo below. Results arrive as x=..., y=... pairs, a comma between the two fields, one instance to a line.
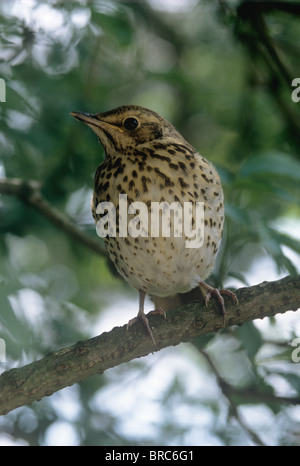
x=20, y=386
x=29, y=193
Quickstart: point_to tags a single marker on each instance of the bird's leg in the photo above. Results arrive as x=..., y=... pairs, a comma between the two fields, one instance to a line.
x=208, y=291
x=141, y=315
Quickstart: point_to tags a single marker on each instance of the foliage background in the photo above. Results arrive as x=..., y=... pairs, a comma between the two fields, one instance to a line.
x=221, y=72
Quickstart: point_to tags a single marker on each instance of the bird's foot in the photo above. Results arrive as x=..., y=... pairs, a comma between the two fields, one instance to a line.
x=208, y=292
x=144, y=319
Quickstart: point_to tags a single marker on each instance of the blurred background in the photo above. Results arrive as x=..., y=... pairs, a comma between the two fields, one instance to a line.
x=221, y=72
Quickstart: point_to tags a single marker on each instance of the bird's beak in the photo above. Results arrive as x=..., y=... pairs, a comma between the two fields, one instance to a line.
x=93, y=120
x=88, y=118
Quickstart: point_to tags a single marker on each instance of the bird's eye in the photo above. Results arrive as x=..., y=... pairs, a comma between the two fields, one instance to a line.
x=131, y=123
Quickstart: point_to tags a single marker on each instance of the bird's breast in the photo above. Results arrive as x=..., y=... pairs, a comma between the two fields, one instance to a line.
x=152, y=253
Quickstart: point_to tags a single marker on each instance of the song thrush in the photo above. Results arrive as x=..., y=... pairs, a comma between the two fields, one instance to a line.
x=149, y=161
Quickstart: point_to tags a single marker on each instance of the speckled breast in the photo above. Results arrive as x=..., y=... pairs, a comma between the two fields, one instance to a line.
x=160, y=265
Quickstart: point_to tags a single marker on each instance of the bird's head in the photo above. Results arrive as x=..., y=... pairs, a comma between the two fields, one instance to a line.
x=129, y=126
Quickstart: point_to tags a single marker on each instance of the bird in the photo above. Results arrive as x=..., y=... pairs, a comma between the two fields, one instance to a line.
x=149, y=163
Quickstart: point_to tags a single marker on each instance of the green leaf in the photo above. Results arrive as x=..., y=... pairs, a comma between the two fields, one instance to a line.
x=274, y=163
x=236, y=214
x=239, y=276
x=292, y=379
x=250, y=338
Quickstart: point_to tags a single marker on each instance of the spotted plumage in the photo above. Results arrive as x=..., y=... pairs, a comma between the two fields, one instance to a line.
x=150, y=162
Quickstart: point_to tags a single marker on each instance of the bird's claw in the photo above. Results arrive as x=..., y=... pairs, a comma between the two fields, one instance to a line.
x=144, y=319
x=216, y=293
